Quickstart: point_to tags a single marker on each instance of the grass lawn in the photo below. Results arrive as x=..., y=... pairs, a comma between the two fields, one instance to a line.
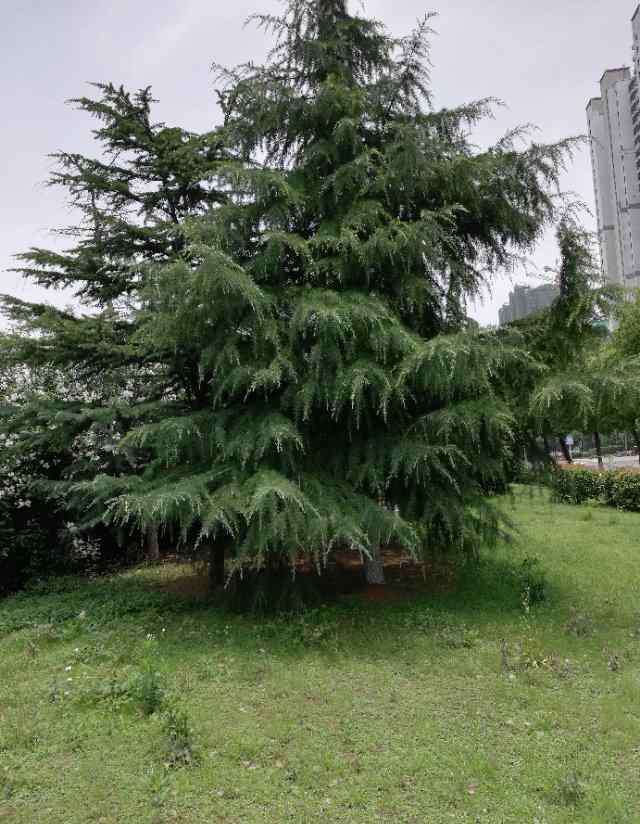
x=454, y=707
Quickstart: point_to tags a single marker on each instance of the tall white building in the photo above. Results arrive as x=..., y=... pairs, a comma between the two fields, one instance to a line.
x=614, y=131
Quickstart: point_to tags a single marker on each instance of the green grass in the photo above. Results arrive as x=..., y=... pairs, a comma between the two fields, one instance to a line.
x=457, y=707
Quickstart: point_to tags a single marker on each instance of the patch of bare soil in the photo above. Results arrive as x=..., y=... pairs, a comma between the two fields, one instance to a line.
x=386, y=593
x=192, y=587
x=405, y=577
x=631, y=470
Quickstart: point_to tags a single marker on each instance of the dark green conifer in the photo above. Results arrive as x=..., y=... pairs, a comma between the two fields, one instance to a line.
x=322, y=387
x=132, y=201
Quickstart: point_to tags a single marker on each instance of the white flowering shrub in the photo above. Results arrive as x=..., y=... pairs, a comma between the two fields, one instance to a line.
x=56, y=431
x=37, y=539
x=26, y=531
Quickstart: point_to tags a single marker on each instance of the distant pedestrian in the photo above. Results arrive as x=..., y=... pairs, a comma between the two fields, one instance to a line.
x=570, y=442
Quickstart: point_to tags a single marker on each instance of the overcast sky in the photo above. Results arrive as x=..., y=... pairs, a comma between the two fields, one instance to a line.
x=543, y=59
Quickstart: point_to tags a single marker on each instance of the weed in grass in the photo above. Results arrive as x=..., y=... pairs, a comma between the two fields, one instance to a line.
x=570, y=791
x=312, y=629
x=421, y=621
x=179, y=747
x=457, y=637
x=143, y=689
x=96, y=651
x=159, y=791
x=10, y=787
x=147, y=688
x=513, y=658
x=148, y=691
x=54, y=692
x=115, y=690
x=88, y=604
x=518, y=658
x=253, y=672
x=614, y=661
x=46, y=632
x=505, y=657
x=60, y=584
x=207, y=670
x=76, y=740
x=31, y=649
x=533, y=583
x=587, y=516
x=579, y=624
x=6, y=791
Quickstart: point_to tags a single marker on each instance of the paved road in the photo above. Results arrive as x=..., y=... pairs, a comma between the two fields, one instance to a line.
x=611, y=462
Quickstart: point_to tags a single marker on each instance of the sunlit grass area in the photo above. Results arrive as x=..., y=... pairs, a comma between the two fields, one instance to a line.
x=130, y=699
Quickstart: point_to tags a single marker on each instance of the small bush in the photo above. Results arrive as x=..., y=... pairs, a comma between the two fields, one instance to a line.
x=143, y=690
x=575, y=486
x=619, y=489
x=28, y=544
x=118, y=690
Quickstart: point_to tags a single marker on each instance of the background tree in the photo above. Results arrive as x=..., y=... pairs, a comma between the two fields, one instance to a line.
x=615, y=388
x=36, y=537
x=620, y=363
x=625, y=341
x=567, y=337
x=132, y=200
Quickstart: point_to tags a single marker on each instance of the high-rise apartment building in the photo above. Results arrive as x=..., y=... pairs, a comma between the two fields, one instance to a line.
x=526, y=300
x=614, y=131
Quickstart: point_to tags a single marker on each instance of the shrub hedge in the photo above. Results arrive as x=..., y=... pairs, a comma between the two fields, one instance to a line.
x=619, y=489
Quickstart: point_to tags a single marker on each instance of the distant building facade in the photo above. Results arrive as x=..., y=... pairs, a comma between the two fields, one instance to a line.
x=614, y=132
x=527, y=300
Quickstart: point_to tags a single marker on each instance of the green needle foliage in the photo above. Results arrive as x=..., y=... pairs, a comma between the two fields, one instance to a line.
x=131, y=200
x=302, y=312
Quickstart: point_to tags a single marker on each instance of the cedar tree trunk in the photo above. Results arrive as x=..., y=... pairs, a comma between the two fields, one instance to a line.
x=153, y=546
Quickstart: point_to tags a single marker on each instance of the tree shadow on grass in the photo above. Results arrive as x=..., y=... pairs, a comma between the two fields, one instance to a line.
x=88, y=604
x=487, y=593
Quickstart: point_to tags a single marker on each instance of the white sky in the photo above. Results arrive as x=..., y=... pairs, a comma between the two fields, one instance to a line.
x=543, y=59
